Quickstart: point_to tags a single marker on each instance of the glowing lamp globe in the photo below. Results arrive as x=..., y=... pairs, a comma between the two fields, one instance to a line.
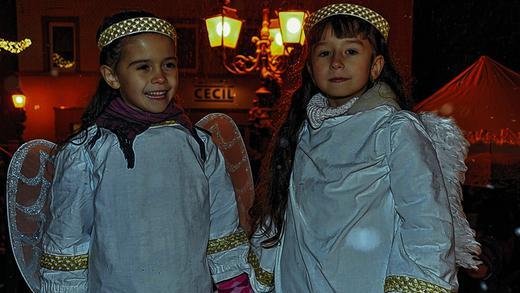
x=291, y=24
x=276, y=47
x=18, y=100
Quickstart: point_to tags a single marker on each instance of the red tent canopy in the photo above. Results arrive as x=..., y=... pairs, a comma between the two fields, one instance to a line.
x=485, y=96
x=484, y=100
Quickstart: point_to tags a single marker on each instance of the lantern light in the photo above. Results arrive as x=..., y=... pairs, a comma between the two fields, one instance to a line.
x=276, y=47
x=18, y=100
x=224, y=28
x=291, y=26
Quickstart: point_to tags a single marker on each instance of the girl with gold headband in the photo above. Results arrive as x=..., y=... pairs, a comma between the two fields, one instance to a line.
x=141, y=200
x=355, y=199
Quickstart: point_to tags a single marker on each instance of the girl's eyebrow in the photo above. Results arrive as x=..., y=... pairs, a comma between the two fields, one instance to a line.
x=349, y=40
x=148, y=60
x=138, y=61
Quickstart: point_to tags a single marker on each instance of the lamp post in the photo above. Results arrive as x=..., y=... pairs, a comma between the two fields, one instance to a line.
x=17, y=114
x=273, y=45
x=276, y=40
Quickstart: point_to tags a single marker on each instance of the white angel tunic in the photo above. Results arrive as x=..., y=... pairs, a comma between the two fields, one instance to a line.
x=368, y=210
x=167, y=225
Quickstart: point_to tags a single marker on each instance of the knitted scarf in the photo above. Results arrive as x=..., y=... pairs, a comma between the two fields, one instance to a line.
x=126, y=123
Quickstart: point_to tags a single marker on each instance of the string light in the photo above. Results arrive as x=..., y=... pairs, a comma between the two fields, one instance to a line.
x=61, y=62
x=15, y=47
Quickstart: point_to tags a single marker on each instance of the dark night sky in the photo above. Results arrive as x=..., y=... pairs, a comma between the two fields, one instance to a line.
x=449, y=36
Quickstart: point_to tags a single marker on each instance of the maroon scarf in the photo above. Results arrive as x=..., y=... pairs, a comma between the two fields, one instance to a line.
x=126, y=123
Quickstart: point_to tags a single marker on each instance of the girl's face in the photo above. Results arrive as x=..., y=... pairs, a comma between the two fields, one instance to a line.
x=146, y=74
x=341, y=68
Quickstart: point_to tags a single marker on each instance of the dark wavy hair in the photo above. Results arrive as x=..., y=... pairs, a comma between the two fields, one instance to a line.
x=110, y=56
x=268, y=210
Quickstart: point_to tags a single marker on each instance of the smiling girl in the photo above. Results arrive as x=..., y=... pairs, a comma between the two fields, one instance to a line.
x=355, y=201
x=141, y=200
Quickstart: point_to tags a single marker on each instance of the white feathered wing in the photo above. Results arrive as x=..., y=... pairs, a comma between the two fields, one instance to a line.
x=452, y=149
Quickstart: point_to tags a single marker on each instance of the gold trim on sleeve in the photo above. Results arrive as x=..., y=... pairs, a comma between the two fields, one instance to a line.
x=264, y=277
x=407, y=284
x=226, y=243
x=64, y=263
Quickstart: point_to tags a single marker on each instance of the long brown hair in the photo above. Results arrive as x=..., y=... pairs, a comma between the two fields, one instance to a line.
x=272, y=193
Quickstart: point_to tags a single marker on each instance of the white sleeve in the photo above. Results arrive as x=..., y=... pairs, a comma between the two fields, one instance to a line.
x=64, y=261
x=229, y=252
x=423, y=251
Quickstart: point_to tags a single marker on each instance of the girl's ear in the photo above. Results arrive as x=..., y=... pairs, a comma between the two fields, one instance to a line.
x=109, y=76
x=377, y=67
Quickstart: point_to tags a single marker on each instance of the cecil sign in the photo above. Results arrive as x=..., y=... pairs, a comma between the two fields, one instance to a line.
x=217, y=93
x=214, y=93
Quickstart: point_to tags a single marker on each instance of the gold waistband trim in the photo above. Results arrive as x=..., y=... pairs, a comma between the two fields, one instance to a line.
x=226, y=243
x=64, y=263
x=264, y=277
x=406, y=284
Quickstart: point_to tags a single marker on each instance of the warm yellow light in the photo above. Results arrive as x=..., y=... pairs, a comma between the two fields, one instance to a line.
x=15, y=47
x=212, y=24
x=223, y=28
x=278, y=37
x=61, y=62
x=294, y=25
x=18, y=100
x=291, y=26
x=226, y=29
x=276, y=46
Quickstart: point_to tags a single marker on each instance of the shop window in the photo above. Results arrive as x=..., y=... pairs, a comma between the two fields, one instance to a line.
x=61, y=44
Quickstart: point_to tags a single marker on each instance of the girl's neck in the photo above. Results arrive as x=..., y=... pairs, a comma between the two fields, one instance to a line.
x=335, y=102
x=338, y=102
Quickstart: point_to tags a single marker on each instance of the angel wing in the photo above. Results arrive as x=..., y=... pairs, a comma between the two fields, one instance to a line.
x=452, y=149
x=226, y=136
x=29, y=179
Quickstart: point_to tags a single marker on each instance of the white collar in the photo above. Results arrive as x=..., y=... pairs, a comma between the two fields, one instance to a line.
x=318, y=109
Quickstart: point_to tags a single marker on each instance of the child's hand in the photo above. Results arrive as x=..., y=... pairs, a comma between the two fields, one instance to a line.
x=238, y=284
x=481, y=272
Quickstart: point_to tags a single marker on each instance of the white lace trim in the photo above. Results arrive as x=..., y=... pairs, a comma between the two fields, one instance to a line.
x=318, y=109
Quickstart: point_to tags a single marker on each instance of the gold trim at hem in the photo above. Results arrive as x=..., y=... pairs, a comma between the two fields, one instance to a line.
x=407, y=284
x=64, y=263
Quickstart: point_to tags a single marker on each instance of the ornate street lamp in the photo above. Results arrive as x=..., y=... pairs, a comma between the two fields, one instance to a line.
x=271, y=58
x=272, y=46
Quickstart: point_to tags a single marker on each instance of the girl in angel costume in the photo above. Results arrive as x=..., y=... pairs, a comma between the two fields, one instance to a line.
x=362, y=196
x=140, y=199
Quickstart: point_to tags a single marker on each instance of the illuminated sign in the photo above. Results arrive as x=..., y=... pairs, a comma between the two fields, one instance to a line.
x=215, y=93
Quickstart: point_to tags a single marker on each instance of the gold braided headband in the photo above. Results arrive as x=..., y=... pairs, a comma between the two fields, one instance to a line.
x=358, y=11
x=134, y=26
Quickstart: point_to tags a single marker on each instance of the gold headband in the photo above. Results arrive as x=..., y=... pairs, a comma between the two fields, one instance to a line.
x=134, y=26
x=358, y=11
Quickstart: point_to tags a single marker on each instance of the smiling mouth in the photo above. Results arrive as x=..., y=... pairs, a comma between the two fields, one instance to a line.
x=338, y=79
x=156, y=95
